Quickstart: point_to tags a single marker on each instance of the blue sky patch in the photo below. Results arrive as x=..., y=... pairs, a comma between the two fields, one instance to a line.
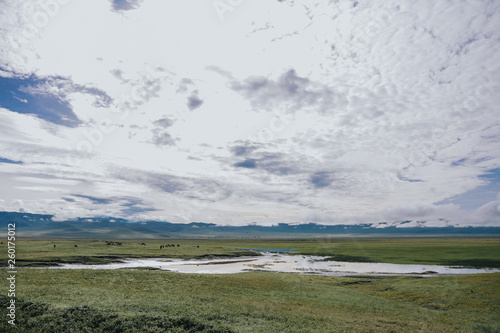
x=125, y=4
x=249, y=164
x=321, y=179
x=94, y=200
x=16, y=95
x=479, y=196
x=6, y=160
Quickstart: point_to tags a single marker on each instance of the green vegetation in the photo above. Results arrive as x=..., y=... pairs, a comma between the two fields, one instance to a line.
x=158, y=301
x=43, y=252
x=472, y=252
x=149, y=300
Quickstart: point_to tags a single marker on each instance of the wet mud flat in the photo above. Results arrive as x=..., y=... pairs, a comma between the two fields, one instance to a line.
x=278, y=262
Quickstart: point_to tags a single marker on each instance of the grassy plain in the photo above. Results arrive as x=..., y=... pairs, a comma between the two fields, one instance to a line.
x=159, y=301
x=473, y=252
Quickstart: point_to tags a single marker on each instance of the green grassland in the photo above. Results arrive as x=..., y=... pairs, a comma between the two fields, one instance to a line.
x=43, y=252
x=472, y=252
x=159, y=301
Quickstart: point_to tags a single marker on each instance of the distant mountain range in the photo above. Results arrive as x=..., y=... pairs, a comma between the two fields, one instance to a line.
x=42, y=226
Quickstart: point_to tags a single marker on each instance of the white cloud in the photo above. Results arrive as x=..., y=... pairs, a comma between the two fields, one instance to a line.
x=279, y=112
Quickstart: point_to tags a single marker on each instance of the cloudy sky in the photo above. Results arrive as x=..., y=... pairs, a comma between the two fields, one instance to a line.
x=242, y=111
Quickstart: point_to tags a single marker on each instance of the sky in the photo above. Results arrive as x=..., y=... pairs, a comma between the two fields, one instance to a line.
x=236, y=111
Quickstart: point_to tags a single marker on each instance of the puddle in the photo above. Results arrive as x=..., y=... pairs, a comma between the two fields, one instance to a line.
x=278, y=262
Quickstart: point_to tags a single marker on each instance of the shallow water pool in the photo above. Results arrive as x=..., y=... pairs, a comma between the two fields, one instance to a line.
x=277, y=262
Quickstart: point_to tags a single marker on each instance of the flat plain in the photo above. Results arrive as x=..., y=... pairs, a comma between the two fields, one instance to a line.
x=56, y=300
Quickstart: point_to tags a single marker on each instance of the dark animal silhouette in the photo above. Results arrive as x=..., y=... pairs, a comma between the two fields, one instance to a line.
x=54, y=245
x=76, y=245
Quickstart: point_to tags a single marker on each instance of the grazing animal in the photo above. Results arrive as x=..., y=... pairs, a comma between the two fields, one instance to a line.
x=76, y=245
x=197, y=246
x=178, y=245
x=54, y=245
x=143, y=244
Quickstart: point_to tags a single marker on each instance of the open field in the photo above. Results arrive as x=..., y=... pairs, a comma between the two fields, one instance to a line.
x=473, y=252
x=159, y=301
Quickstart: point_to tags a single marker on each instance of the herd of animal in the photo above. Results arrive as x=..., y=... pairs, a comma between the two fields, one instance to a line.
x=168, y=245
x=120, y=243
x=113, y=243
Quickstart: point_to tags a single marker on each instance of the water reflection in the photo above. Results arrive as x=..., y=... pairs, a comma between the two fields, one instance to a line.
x=277, y=262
